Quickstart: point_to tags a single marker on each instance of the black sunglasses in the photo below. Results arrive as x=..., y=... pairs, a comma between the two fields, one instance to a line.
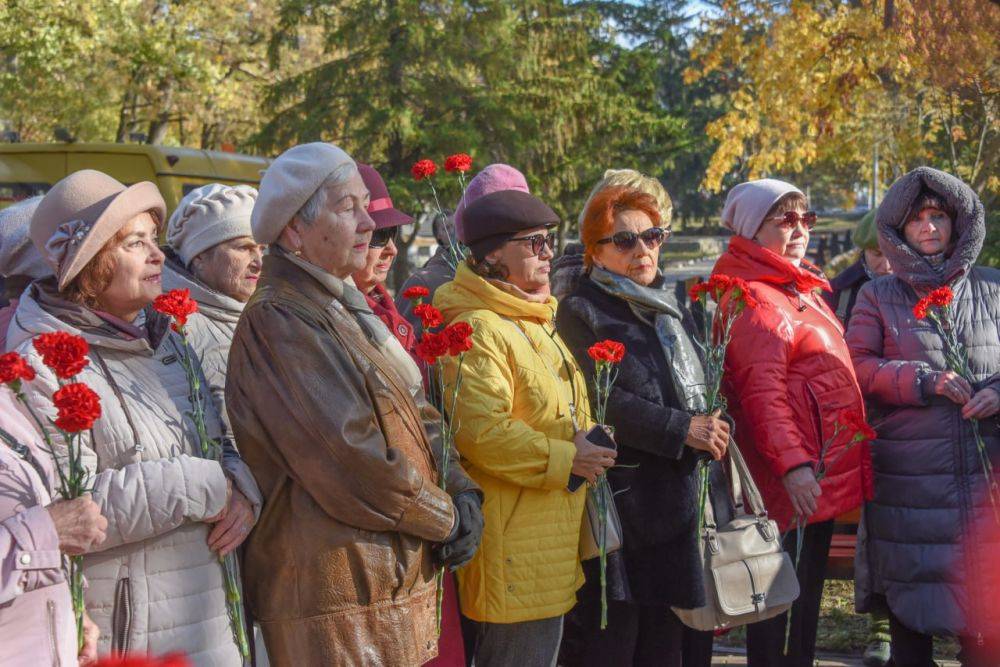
x=652, y=238
x=381, y=237
x=538, y=241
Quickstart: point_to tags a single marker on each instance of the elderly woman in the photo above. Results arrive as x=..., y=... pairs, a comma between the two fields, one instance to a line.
x=519, y=432
x=440, y=268
x=382, y=251
x=329, y=411
x=930, y=491
x=370, y=280
x=157, y=585
x=660, y=433
x=788, y=376
x=36, y=613
x=211, y=252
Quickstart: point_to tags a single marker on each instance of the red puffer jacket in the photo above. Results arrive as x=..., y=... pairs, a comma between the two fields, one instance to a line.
x=788, y=374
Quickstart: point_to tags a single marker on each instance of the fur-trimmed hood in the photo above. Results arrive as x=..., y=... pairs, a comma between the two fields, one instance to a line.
x=968, y=228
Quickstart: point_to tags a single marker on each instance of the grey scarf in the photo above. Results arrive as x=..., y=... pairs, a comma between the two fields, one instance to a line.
x=658, y=308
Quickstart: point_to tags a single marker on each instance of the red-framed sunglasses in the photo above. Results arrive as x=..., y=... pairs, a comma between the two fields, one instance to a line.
x=792, y=218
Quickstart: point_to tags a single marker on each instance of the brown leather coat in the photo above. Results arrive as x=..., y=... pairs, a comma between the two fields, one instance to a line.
x=338, y=570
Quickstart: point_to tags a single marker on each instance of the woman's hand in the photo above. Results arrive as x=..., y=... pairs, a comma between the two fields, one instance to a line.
x=953, y=386
x=79, y=524
x=591, y=460
x=803, y=490
x=709, y=434
x=91, y=633
x=985, y=403
x=231, y=526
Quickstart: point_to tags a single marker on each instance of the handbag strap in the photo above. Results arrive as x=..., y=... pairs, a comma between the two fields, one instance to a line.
x=743, y=485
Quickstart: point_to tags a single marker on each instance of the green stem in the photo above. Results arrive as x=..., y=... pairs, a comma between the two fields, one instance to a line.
x=230, y=571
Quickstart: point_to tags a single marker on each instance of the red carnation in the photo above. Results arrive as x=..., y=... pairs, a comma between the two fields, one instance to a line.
x=920, y=309
x=429, y=315
x=423, y=169
x=610, y=351
x=63, y=352
x=14, y=368
x=416, y=292
x=697, y=290
x=457, y=162
x=178, y=304
x=78, y=406
x=432, y=346
x=857, y=426
x=942, y=296
x=458, y=336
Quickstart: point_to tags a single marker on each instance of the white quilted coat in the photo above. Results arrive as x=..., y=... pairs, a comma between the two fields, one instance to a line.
x=155, y=586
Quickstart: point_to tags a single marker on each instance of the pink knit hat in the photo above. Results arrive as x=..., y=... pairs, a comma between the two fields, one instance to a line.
x=493, y=178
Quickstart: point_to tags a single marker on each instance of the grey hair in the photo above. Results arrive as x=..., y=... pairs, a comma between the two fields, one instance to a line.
x=317, y=200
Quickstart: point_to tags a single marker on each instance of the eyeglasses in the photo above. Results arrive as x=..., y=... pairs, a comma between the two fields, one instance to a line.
x=652, y=238
x=792, y=218
x=538, y=241
x=381, y=237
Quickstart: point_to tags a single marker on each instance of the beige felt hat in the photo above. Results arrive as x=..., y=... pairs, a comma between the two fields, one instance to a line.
x=84, y=211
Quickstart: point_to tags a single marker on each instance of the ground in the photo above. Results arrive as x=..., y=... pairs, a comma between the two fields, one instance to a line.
x=841, y=636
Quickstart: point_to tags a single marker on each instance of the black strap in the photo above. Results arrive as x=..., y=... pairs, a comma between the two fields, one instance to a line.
x=25, y=453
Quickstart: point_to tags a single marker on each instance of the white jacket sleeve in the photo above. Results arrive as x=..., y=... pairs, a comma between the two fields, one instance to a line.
x=140, y=499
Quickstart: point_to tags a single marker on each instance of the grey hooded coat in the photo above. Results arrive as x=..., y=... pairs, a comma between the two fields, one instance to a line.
x=921, y=540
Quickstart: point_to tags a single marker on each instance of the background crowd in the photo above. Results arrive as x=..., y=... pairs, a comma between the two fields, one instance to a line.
x=334, y=483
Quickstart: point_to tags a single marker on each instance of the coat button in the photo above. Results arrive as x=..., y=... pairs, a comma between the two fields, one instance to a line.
x=25, y=559
x=510, y=588
x=508, y=560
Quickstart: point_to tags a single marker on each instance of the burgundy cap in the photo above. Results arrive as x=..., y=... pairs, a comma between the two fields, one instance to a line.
x=380, y=207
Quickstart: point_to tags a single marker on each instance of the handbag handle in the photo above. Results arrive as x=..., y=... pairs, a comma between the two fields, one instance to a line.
x=743, y=485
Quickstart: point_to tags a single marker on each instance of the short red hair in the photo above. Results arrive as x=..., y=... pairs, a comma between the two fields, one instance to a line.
x=599, y=217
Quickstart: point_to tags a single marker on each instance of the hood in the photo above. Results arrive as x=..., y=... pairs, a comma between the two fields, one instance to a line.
x=212, y=304
x=41, y=310
x=747, y=260
x=968, y=228
x=469, y=292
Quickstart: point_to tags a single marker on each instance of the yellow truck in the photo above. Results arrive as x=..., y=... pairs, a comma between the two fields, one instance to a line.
x=31, y=169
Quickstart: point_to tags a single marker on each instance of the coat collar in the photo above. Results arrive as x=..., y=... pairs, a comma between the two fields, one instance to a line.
x=469, y=291
x=750, y=261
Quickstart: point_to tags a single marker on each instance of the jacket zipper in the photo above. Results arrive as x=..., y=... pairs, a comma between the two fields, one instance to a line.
x=122, y=616
x=50, y=608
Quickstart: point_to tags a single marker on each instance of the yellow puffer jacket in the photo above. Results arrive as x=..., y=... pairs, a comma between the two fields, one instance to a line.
x=515, y=436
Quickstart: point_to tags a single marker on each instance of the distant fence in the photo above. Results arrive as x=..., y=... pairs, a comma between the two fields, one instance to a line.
x=824, y=246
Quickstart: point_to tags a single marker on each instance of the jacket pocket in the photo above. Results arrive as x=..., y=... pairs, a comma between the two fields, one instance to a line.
x=50, y=620
x=121, y=616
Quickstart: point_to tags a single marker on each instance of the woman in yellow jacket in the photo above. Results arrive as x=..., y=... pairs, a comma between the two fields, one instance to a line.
x=521, y=418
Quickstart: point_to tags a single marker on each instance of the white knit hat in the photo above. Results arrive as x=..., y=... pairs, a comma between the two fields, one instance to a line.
x=288, y=184
x=18, y=255
x=208, y=216
x=748, y=203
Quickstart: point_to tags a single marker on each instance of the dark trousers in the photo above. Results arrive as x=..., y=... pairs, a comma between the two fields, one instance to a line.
x=636, y=636
x=766, y=640
x=915, y=649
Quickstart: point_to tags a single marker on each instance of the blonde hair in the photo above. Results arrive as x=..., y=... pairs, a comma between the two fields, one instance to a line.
x=630, y=178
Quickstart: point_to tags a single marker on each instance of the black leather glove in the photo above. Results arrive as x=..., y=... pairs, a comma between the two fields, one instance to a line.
x=461, y=545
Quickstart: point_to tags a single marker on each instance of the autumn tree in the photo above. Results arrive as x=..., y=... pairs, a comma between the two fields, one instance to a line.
x=834, y=82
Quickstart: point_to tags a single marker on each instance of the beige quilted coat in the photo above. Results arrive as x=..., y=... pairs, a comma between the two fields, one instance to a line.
x=155, y=586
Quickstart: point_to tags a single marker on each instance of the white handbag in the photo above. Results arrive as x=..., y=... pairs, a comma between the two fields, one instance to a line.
x=748, y=576
x=589, y=547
